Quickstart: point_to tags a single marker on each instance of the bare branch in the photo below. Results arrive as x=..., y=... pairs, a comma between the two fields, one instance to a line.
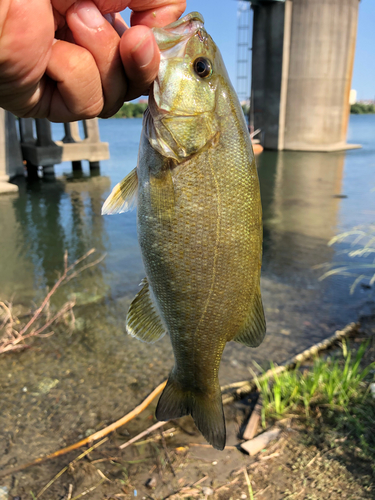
x=12, y=339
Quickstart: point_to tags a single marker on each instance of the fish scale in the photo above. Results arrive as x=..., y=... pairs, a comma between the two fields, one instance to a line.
x=199, y=224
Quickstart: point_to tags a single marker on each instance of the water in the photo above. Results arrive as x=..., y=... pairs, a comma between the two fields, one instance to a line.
x=77, y=381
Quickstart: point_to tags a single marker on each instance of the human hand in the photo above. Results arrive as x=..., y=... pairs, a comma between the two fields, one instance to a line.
x=65, y=61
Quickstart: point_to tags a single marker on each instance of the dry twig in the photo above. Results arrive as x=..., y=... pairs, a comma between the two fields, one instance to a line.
x=12, y=338
x=247, y=386
x=94, y=437
x=48, y=485
x=89, y=490
x=142, y=434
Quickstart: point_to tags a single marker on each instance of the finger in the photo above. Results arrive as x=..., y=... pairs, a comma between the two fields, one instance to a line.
x=105, y=6
x=117, y=22
x=162, y=12
x=73, y=89
x=25, y=45
x=120, y=25
x=166, y=11
x=93, y=32
x=141, y=57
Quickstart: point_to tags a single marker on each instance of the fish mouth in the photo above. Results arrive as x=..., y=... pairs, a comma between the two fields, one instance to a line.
x=172, y=39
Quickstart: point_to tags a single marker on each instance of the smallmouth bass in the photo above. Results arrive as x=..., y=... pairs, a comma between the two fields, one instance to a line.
x=199, y=224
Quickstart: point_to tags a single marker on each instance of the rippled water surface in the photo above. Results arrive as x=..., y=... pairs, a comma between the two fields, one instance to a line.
x=74, y=382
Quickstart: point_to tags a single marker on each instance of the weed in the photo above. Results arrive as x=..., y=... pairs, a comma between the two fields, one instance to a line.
x=365, y=236
x=336, y=386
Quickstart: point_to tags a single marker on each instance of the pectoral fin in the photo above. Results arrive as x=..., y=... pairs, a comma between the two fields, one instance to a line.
x=123, y=196
x=143, y=320
x=162, y=194
x=254, y=329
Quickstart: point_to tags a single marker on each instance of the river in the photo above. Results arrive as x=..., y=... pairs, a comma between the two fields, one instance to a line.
x=74, y=382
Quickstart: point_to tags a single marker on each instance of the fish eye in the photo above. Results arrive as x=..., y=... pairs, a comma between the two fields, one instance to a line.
x=202, y=67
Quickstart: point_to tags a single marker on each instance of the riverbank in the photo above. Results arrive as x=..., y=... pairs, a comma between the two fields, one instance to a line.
x=80, y=380
x=313, y=458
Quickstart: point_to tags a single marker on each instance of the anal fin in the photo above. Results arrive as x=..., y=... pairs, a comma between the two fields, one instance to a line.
x=123, y=196
x=254, y=328
x=143, y=320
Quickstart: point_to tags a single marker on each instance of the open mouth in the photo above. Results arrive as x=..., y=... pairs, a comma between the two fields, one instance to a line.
x=172, y=39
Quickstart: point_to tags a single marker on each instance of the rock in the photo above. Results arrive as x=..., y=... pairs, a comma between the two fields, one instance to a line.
x=257, y=444
x=181, y=450
x=79, y=324
x=207, y=491
x=46, y=385
x=151, y=482
x=86, y=298
x=3, y=493
x=253, y=422
x=85, y=475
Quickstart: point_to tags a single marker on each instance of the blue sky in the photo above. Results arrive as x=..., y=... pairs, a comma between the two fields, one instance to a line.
x=364, y=63
x=221, y=22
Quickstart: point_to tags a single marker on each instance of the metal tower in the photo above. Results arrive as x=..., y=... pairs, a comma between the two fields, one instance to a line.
x=244, y=25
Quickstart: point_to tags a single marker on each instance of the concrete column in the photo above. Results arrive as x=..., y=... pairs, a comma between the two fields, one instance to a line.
x=303, y=55
x=11, y=163
x=71, y=133
x=27, y=130
x=321, y=64
x=43, y=151
x=91, y=128
x=285, y=72
x=90, y=148
x=3, y=162
x=267, y=65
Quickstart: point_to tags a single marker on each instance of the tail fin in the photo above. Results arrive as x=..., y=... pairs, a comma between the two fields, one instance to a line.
x=206, y=410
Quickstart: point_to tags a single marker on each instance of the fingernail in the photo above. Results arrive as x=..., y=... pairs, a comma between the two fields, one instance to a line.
x=89, y=14
x=143, y=53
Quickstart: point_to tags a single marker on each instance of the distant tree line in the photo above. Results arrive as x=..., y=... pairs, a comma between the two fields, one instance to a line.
x=131, y=110
x=245, y=109
x=136, y=109
x=359, y=108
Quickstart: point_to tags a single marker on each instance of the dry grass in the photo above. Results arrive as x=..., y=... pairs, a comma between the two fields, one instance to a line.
x=14, y=333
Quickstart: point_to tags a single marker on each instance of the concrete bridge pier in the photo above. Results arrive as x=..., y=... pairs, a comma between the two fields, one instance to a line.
x=35, y=148
x=27, y=137
x=302, y=65
x=11, y=163
x=72, y=136
x=88, y=148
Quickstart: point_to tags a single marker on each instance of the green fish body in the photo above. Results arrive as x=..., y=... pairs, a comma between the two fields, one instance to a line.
x=199, y=224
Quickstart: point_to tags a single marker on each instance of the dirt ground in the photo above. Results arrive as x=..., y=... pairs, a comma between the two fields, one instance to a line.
x=309, y=463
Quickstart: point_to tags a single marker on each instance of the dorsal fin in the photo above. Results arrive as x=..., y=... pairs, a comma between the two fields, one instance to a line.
x=143, y=320
x=123, y=196
x=254, y=328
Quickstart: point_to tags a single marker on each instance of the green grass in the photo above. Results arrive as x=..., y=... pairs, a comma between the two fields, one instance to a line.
x=336, y=387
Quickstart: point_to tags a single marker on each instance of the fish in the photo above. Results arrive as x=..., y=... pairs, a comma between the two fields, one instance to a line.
x=199, y=223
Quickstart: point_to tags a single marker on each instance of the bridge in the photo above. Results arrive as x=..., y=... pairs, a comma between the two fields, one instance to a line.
x=31, y=147
x=302, y=65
